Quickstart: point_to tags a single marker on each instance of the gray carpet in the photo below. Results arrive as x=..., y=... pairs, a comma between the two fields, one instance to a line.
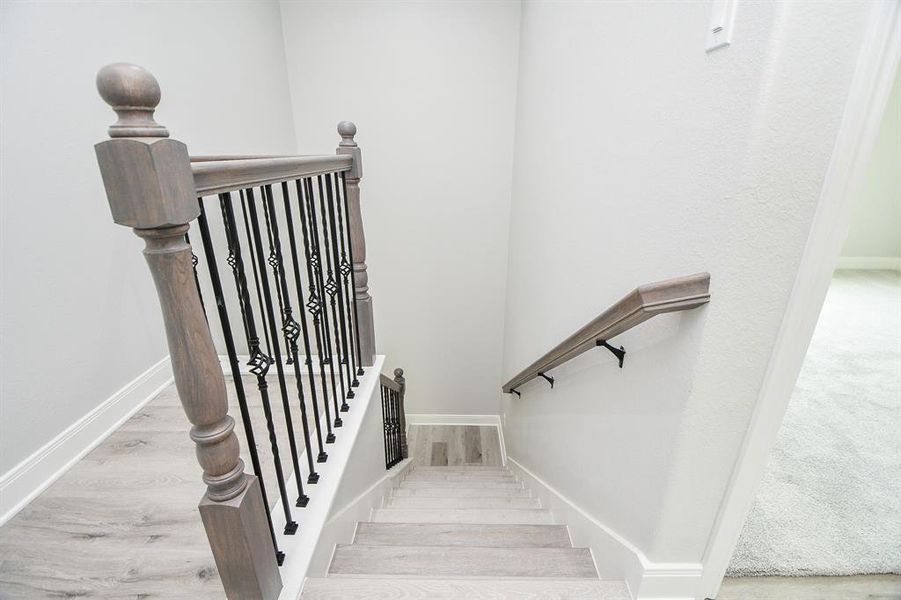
x=830, y=500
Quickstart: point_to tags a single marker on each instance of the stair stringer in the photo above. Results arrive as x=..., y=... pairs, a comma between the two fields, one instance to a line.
x=354, y=471
x=615, y=557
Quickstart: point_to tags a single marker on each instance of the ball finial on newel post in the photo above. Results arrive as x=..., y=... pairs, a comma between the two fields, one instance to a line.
x=347, y=130
x=134, y=93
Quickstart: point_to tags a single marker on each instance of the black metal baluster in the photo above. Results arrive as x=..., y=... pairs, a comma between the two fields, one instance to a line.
x=235, y=368
x=290, y=327
x=385, y=423
x=326, y=342
x=292, y=239
x=350, y=253
x=332, y=289
x=345, y=270
x=392, y=412
x=314, y=303
x=249, y=206
x=342, y=313
x=258, y=362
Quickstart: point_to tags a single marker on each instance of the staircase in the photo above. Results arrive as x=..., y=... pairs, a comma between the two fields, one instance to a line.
x=461, y=532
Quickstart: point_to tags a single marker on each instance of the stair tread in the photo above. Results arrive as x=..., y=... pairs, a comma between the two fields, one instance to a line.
x=460, y=492
x=461, y=468
x=459, y=476
x=462, y=561
x=443, y=483
x=420, y=502
x=462, y=534
x=463, y=515
x=396, y=588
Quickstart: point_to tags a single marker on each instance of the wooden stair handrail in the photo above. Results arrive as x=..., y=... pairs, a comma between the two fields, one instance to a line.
x=219, y=174
x=669, y=295
x=389, y=383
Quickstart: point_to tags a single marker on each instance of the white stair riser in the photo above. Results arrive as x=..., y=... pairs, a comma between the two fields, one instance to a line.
x=459, y=492
x=462, y=561
x=433, y=534
x=454, y=589
x=480, y=515
x=414, y=502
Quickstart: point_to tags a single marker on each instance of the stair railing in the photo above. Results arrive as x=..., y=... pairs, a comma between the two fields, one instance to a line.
x=644, y=302
x=393, y=417
x=292, y=233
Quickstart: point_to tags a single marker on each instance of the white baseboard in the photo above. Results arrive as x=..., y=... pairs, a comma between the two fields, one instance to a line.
x=21, y=484
x=615, y=556
x=872, y=263
x=476, y=420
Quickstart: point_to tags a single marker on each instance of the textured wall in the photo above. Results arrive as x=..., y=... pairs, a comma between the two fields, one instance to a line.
x=636, y=161
x=80, y=315
x=431, y=86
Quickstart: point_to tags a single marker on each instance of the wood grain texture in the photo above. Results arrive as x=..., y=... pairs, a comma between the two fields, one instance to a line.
x=460, y=492
x=445, y=484
x=455, y=589
x=524, y=516
x=123, y=522
x=458, y=502
x=224, y=174
x=349, y=149
x=463, y=445
x=149, y=189
x=446, y=534
x=646, y=301
x=462, y=561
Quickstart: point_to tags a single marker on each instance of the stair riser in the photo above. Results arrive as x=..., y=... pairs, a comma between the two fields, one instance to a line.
x=458, y=492
x=471, y=477
x=456, y=561
x=486, y=516
x=493, y=536
x=335, y=588
x=497, y=485
x=414, y=502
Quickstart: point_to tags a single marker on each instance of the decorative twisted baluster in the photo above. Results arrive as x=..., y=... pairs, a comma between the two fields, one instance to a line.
x=150, y=187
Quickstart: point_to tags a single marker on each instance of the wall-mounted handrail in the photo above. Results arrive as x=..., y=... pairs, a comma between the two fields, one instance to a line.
x=669, y=295
x=226, y=174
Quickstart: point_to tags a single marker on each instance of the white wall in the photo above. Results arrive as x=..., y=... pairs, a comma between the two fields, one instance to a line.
x=79, y=313
x=431, y=87
x=640, y=157
x=876, y=225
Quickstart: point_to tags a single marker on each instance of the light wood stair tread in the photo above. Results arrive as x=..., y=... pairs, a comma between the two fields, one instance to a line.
x=419, y=502
x=461, y=468
x=462, y=534
x=461, y=492
x=333, y=588
x=525, y=516
x=445, y=484
x=462, y=561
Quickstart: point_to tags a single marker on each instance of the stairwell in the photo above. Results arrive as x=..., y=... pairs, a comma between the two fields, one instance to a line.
x=461, y=532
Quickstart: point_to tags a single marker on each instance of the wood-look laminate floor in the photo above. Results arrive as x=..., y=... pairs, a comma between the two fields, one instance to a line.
x=454, y=445
x=123, y=522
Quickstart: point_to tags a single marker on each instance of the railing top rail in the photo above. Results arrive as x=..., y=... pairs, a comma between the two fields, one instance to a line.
x=219, y=174
x=389, y=383
x=678, y=293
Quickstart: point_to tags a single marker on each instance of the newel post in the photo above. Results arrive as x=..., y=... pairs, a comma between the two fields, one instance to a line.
x=362, y=299
x=399, y=380
x=150, y=188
